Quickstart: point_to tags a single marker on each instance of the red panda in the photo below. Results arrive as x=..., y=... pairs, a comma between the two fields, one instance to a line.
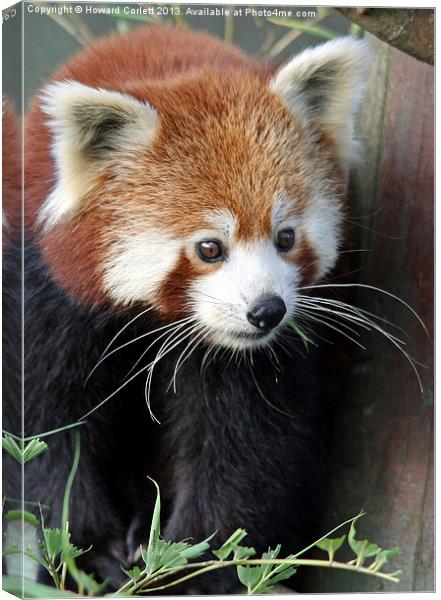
x=173, y=184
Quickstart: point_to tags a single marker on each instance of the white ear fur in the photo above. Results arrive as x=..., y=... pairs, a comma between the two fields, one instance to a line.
x=324, y=86
x=90, y=127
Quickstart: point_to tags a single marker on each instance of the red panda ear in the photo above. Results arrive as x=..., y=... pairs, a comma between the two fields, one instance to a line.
x=324, y=85
x=90, y=128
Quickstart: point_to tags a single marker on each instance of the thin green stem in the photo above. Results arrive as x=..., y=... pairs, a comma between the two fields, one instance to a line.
x=41, y=435
x=328, y=534
x=63, y=576
x=207, y=566
x=69, y=484
x=254, y=562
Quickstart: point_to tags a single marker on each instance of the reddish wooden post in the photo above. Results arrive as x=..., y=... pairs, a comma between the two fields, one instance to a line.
x=383, y=454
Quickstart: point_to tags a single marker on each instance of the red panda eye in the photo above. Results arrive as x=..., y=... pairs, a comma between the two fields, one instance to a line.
x=210, y=250
x=285, y=239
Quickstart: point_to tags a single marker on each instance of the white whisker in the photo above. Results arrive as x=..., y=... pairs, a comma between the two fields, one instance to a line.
x=199, y=338
x=166, y=348
x=265, y=399
x=359, y=317
x=178, y=325
x=327, y=324
x=136, y=339
x=350, y=307
x=116, y=337
x=113, y=394
x=369, y=287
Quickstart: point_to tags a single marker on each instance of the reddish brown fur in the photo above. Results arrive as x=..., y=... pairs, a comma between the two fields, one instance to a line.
x=306, y=258
x=172, y=299
x=11, y=170
x=225, y=141
x=146, y=54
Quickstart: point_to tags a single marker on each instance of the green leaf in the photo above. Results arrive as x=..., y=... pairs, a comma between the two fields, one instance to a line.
x=386, y=555
x=19, y=451
x=196, y=550
x=31, y=589
x=69, y=483
x=10, y=446
x=170, y=555
x=33, y=448
x=133, y=574
x=54, y=542
x=249, y=576
x=241, y=552
x=279, y=573
x=262, y=578
x=151, y=556
x=362, y=548
x=331, y=545
x=229, y=546
x=71, y=552
x=155, y=527
x=38, y=559
x=21, y=515
x=383, y=557
x=160, y=555
x=302, y=335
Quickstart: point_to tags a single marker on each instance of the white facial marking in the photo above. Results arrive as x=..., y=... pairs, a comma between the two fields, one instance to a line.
x=137, y=264
x=321, y=223
x=252, y=270
x=284, y=214
x=223, y=220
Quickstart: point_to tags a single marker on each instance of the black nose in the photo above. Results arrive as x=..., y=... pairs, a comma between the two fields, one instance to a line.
x=267, y=313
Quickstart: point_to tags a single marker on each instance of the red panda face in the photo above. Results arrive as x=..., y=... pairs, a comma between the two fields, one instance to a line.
x=214, y=197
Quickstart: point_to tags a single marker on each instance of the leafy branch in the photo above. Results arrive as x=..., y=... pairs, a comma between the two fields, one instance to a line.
x=166, y=560
x=57, y=553
x=165, y=564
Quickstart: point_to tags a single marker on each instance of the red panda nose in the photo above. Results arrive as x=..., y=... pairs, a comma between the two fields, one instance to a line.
x=267, y=313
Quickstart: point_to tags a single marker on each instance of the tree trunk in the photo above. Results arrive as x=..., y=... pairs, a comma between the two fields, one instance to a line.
x=383, y=452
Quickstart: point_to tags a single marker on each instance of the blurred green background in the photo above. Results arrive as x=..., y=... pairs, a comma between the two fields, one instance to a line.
x=50, y=39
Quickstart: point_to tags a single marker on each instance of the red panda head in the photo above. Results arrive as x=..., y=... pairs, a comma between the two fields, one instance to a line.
x=214, y=195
